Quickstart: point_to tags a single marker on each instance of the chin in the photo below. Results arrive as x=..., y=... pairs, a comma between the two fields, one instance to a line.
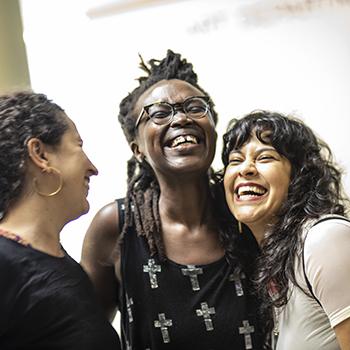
x=84, y=210
x=191, y=166
x=244, y=219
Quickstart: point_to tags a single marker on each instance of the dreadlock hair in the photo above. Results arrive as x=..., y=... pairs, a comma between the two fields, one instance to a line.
x=24, y=115
x=142, y=198
x=314, y=190
x=141, y=203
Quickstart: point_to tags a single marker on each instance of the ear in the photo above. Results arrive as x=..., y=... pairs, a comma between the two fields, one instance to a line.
x=139, y=155
x=37, y=153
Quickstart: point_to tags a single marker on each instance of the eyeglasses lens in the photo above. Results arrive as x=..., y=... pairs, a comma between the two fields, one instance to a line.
x=162, y=112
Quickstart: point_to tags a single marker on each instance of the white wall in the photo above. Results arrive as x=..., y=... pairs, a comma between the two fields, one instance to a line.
x=248, y=55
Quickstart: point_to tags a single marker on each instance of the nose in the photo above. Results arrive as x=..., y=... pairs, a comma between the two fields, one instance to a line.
x=92, y=169
x=248, y=168
x=180, y=118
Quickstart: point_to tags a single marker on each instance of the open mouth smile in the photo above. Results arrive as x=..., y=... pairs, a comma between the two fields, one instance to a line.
x=184, y=140
x=249, y=192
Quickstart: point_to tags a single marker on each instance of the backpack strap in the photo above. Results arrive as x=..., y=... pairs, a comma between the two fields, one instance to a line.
x=121, y=212
x=325, y=218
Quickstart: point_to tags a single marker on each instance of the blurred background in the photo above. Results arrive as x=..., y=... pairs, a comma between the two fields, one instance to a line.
x=290, y=56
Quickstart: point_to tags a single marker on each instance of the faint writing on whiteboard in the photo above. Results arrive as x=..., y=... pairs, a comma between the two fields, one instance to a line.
x=210, y=23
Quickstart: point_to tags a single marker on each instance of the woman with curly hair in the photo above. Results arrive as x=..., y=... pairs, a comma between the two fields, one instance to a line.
x=165, y=256
x=46, y=298
x=281, y=182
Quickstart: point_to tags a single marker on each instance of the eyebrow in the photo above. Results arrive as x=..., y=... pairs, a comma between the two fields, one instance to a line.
x=153, y=103
x=260, y=150
x=175, y=103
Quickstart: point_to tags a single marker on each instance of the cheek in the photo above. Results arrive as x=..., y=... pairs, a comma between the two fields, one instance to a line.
x=282, y=186
x=229, y=178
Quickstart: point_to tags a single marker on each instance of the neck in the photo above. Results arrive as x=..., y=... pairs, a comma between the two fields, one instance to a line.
x=189, y=231
x=259, y=232
x=33, y=221
x=186, y=202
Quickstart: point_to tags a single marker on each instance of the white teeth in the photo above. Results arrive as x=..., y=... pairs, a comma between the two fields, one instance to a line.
x=182, y=139
x=177, y=141
x=251, y=191
x=191, y=138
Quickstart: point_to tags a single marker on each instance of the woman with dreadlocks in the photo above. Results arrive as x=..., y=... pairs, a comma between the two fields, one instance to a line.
x=177, y=273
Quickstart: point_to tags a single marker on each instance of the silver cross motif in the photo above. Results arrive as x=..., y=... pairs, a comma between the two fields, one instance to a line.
x=152, y=269
x=206, y=311
x=193, y=271
x=128, y=346
x=129, y=302
x=236, y=277
x=163, y=324
x=247, y=330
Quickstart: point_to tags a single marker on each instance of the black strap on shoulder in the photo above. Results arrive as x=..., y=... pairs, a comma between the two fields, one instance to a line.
x=329, y=217
x=121, y=212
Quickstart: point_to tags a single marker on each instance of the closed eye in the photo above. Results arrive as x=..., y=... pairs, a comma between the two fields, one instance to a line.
x=195, y=109
x=235, y=161
x=80, y=142
x=266, y=157
x=159, y=114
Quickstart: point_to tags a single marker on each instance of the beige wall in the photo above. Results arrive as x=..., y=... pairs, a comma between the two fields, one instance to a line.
x=13, y=61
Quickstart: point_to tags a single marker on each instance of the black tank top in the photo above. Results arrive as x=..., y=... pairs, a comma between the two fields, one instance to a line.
x=165, y=305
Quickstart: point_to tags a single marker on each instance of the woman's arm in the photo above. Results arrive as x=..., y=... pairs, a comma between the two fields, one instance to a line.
x=99, y=256
x=342, y=330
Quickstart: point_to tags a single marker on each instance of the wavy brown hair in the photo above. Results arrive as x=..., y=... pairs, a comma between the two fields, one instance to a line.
x=315, y=189
x=24, y=115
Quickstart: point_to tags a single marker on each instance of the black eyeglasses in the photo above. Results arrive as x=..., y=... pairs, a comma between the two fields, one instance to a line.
x=162, y=113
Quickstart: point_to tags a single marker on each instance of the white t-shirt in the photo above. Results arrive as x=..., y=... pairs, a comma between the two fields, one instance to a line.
x=303, y=323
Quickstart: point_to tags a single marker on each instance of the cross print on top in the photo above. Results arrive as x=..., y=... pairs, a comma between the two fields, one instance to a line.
x=236, y=277
x=129, y=302
x=163, y=324
x=247, y=330
x=192, y=271
x=206, y=311
x=152, y=269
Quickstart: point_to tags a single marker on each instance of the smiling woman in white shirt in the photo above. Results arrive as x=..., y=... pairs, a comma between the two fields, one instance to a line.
x=280, y=181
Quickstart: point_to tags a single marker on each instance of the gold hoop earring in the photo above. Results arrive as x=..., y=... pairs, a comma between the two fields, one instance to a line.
x=49, y=170
x=140, y=158
x=240, y=229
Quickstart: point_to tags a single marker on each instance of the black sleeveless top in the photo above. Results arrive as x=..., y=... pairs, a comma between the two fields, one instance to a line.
x=165, y=305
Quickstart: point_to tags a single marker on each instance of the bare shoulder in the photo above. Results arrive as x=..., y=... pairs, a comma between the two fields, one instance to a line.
x=342, y=332
x=102, y=237
x=100, y=256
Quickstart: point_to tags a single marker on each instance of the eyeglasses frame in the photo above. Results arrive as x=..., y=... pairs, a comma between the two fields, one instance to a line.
x=207, y=99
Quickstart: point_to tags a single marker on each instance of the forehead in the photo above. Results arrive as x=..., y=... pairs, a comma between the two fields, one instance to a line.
x=253, y=143
x=72, y=129
x=171, y=91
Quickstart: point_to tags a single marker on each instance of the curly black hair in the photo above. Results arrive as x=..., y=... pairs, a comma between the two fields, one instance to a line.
x=24, y=115
x=315, y=189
